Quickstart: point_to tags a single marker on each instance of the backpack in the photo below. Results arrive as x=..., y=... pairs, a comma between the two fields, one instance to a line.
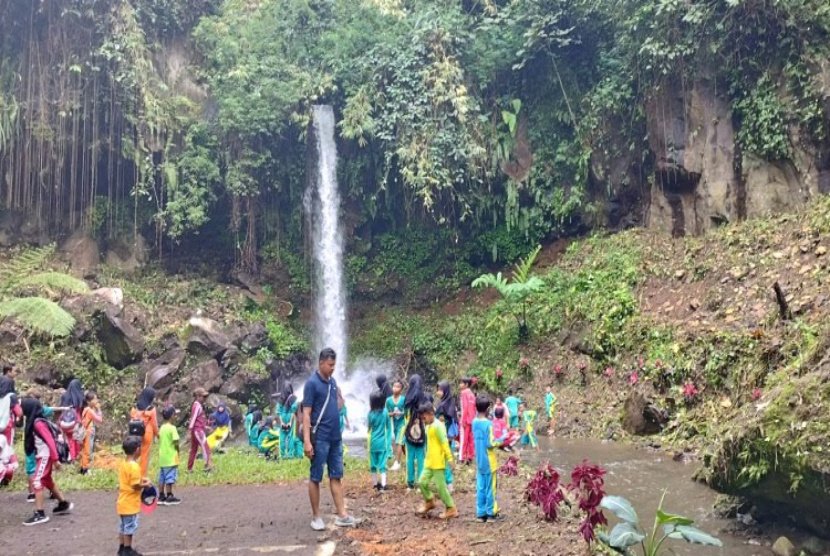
x=415, y=432
x=71, y=427
x=136, y=427
x=60, y=441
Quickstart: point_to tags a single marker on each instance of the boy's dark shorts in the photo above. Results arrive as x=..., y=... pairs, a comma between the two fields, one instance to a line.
x=329, y=454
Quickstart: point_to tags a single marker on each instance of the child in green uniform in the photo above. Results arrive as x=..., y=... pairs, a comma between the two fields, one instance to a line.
x=395, y=410
x=168, y=458
x=438, y=457
x=378, y=423
x=287, y=411
x=550, y=409
x=528, y=417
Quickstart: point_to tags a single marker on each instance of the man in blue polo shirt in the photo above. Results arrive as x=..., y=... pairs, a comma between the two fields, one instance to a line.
x=321, y=420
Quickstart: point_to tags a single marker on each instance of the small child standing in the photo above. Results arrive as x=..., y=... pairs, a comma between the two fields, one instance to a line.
x=487, y=506
x=168, y=458
x=197, y=427
x=90, y=417
x=438, y=456
x=130, y=483
x=529, y=425
x=512, y=402
x=378, y=423
x=550, y=409
x=395, y=409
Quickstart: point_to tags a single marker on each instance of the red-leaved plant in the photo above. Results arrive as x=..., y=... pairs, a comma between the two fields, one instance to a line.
x=510, y=468
x=690, y=392
x=634, y=378
x=589, y=486
x=756, y=394
x=544, y=491
x=558, y=372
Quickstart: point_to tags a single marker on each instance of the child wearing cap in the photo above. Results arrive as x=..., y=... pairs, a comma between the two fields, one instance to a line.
x=130, y=484
x=168, y=458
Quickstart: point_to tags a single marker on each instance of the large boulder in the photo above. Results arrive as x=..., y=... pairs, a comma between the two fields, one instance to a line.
x=206, y=338
x=161, y=372
x=128, y=255
x=123, y=344
x=45, y=374
x=244, y=386
x=82, y=254
x=206, y=375
x=253, y=339
x=640, y=416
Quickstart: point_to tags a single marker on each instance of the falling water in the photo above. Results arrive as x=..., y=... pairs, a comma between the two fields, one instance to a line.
x=322, y=205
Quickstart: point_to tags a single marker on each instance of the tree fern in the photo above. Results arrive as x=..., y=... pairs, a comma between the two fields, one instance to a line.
x=38, y=315
x=55, y=281
x=25, y=264
x=518, y=290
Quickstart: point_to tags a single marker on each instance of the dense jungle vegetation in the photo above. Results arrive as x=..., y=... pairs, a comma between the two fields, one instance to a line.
x=488, y=124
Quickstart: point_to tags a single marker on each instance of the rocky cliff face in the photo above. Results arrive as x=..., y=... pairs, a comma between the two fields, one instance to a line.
x=702, y=179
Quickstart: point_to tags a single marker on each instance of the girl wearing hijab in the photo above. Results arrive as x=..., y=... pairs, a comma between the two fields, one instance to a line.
x=221, y=419
x=144, y=411
x=38, y=441
x=447, y=413
x=73, y=398
x=287, y=411
x=413, y=435
x=249, y=421
x=384, y=387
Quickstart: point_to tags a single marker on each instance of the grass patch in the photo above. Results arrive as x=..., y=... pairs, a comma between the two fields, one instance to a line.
x=238, y=466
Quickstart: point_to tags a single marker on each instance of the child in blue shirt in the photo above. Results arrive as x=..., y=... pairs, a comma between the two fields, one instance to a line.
x=487, y=506
x=378, y=424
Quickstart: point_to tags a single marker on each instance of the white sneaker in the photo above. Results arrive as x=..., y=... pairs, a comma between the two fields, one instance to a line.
x=318, y=524
x=395, y=466
x=347, y=521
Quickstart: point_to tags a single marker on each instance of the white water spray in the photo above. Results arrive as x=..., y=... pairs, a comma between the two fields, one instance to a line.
x=322, y=205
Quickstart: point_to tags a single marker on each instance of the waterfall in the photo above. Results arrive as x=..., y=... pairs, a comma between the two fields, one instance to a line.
x=322, y=206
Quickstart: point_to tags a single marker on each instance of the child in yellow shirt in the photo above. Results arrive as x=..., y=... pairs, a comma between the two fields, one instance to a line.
x=130, y=484
x=437, y=458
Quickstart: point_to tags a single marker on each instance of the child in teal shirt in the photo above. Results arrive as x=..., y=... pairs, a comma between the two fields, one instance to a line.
x=378, y=424
x=550, y=409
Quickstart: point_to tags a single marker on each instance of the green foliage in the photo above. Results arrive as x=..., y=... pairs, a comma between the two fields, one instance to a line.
x=628, y=533
x=39, y=315
x=518, y=290
x=763, y=121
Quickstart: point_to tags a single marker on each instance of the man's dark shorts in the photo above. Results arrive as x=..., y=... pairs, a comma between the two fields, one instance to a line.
x=329, y=454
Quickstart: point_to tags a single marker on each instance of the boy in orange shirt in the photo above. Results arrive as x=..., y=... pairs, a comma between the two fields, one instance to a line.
x=130, y=484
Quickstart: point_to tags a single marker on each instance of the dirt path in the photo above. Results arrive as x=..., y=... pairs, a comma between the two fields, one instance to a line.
x=260, y=519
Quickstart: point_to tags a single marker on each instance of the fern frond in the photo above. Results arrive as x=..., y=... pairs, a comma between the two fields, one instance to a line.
x=491, y=281
x=522, y=269
x=56, y=281
x=24, y=264
x=39, y=315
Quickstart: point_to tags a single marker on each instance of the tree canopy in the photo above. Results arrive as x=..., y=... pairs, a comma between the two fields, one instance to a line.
x=490, y=119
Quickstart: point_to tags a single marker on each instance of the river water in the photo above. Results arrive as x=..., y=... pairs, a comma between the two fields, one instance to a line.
x=641, y=475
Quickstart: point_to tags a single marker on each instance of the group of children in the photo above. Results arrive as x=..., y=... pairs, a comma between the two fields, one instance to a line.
x=277, y=436
x=427, y=428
